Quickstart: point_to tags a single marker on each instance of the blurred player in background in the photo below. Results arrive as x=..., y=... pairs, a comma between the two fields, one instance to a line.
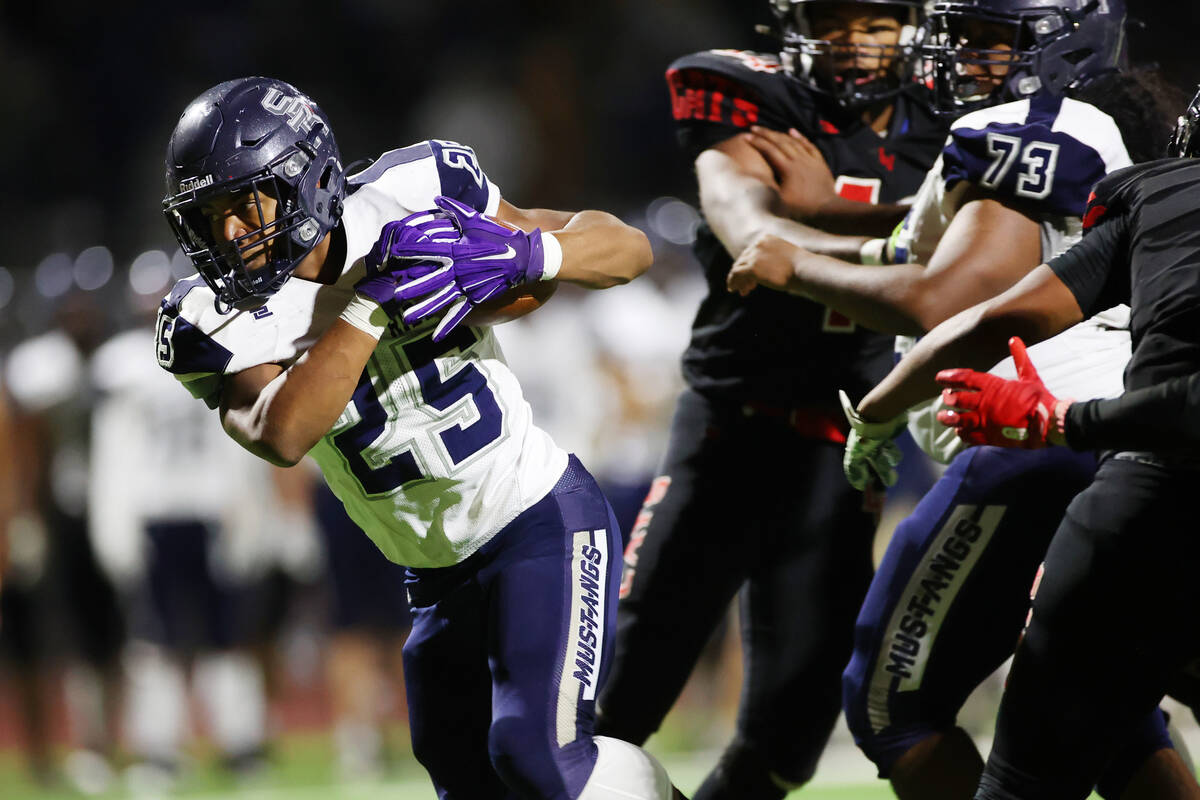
x=750, y=495
x=950, y=596
x=22, y=592
x=182, y=526
x=1124, y=557
x=299, y=329
x=63, y=609
x=368, y=619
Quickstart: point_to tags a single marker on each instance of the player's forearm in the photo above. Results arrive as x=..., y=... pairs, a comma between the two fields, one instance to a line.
x=739, y=211
x=845, y=248
x=857, y=220
x=599, y=251
x=1163, y=418
x=290, y=413
x=969, y=339
x=885, y=299
x=1037, y=308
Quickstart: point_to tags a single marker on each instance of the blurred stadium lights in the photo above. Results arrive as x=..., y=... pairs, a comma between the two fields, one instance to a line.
x=673, y=220
x=55, y=275
x=150, y=272
x=7, y=286
x=93, y=268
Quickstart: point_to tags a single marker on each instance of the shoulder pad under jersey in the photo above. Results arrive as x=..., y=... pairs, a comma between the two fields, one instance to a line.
x=717, y=93
x=428, y=169
x=1045, y=150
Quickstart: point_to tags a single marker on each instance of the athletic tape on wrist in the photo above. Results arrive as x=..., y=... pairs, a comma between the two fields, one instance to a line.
x=871, y=252
x=552, y=257
x=366, y=315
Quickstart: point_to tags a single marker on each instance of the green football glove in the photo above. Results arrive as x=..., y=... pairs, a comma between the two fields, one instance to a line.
x=871, y=449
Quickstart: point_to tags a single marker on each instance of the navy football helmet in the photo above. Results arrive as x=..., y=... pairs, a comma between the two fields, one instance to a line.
x=1030, y=46
x=253, y=137
x=810, y=58
x=1185, y=143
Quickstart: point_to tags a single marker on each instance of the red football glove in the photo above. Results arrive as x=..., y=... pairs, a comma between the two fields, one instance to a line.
x=986, y=409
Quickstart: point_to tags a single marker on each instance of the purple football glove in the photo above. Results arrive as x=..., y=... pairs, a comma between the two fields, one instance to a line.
x=488, y=258
x=389, y=265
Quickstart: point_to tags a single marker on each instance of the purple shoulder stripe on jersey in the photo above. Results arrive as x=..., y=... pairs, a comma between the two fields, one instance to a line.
x=1028, y=161
x=392, y=158
x=460, y=175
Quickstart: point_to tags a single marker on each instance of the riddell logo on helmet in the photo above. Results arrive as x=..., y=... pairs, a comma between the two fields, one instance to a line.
x=300, y=117
x=192, y=184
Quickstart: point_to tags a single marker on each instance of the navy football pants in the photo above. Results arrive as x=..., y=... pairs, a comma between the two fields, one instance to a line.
x=508, y=647
x=949, y=601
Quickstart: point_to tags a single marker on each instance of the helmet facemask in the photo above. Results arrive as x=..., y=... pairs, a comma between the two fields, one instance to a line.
x=1185, y=141
x=980, y=57
x=818, y=51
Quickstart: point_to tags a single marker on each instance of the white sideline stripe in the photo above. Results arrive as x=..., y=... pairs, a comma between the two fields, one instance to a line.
x=882, y=682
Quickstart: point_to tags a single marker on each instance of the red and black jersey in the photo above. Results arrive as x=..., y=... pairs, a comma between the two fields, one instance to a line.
x=772, y=347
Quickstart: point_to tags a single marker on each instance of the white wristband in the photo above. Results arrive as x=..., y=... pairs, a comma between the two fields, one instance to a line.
x=366, y=315
x=551, y=257
x=871, y=253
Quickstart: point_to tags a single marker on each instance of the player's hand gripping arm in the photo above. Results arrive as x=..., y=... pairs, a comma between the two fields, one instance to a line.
x=988, y=247
x=807, y=189
x=1038, y=307
x=742, y=199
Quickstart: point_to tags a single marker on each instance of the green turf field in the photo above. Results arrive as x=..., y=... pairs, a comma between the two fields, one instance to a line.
x=302, y=770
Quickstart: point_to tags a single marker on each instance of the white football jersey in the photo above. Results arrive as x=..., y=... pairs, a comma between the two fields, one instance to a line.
x=1046, y=153
x=47, y=375
x=436, y=450
x=157, y=457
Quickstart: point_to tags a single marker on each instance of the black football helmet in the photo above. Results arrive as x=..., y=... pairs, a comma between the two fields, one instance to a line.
x=1184, y=141
x=253, y=136
x=810, y=59
x=1044, y=46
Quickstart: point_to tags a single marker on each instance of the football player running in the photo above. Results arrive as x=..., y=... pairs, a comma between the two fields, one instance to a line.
x=759, y=419
x=295, y=329
x=1124, y=557
x=949, y=599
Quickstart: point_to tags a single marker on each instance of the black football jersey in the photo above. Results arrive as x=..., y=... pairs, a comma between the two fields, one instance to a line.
x=1141, y=246
x=773, y=347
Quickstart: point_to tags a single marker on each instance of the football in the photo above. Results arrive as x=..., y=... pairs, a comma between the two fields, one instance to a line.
x=511, y=304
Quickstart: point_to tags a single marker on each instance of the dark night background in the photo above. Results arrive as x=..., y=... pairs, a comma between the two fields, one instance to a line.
x=564, y=102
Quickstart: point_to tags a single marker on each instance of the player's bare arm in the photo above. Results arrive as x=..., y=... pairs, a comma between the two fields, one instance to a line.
x=807, y=188
x=741, y=200
x=989, y=246
x=1036, y=308
x=279, y=414
x=599, y=250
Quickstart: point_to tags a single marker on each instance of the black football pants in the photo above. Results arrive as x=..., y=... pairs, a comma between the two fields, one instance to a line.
x=1114, y=619
x=745, y=505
